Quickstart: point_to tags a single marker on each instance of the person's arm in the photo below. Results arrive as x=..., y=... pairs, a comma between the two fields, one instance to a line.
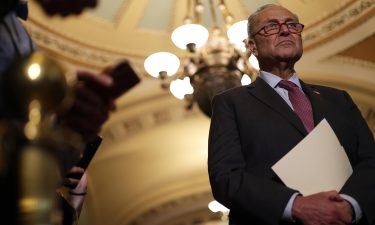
x=359, y=186
x=88, y=113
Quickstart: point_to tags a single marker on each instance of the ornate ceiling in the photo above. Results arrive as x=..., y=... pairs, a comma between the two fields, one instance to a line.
x=151, y=169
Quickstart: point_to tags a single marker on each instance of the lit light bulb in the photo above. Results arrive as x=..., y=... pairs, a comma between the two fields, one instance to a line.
x=245, y=80
x=237, y=33
x=34, y=71
x=190, y=34
x=161, y=61
x=254, y=62
x=181, y=87
x=215, y=206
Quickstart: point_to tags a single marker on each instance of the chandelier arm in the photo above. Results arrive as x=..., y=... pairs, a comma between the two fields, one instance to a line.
x=198, y=11
x=226, y=15
x=213, y=14
x=188, y=17
x=223, y=7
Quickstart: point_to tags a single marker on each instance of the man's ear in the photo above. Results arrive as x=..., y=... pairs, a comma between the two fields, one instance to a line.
x=252, y=46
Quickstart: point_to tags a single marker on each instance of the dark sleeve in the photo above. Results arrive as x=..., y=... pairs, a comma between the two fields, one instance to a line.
x=15, y=43
x=239, y=190
x=7, y=6
x=361, y=184
x=69, y=214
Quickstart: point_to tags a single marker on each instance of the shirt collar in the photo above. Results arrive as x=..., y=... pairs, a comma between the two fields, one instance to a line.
x=273, y=80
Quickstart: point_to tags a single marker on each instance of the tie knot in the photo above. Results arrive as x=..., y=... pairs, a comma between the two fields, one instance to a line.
x=288, y=85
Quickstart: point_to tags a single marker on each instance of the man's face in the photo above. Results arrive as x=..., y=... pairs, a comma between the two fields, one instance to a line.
x=280, y=47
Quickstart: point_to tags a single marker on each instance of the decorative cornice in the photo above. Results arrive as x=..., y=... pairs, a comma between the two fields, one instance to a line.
x=119, y=130
x=77, y=53
x=69, y=50
x=353, y=61
x=329, y=13
x=351, y=16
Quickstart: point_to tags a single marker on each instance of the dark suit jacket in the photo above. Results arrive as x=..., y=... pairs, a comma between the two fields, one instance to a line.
x=252, y=127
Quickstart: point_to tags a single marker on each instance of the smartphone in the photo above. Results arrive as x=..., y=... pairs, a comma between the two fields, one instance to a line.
x=124, y=78
x=87, y=156
x=89, y=153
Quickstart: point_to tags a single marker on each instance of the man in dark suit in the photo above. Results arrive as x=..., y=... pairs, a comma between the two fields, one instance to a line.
x=254, y=126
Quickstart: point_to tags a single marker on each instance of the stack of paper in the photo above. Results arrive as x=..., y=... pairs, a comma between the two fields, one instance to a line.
x=318, y=163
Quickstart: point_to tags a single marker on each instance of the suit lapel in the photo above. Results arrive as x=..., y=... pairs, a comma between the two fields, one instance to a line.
x=263, y=92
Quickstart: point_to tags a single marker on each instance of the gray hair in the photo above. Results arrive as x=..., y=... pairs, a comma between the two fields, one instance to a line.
x=253, y=16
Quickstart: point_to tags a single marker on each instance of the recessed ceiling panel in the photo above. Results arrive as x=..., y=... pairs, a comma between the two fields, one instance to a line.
x=156, y=15
x=360, y=50
x=253, y=5
x=108, y=9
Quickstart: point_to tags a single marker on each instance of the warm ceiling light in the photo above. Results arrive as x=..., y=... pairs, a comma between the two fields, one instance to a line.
x=254, y=62
x=34, y=71
x=245, y=80
x=190, y=34
x=211, y=64
x=237, y=33
x=162, y=62
x=181, y=87
x=215, y=206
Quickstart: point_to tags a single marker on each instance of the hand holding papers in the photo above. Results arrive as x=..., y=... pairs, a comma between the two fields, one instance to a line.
x=318, y=163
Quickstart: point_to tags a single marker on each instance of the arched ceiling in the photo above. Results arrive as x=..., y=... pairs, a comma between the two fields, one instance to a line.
x=151, y=168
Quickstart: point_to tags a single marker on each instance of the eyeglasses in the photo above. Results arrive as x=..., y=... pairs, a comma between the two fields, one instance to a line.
x=274, y=28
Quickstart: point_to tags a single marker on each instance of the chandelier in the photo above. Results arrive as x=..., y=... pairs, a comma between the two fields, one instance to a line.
x=213, y=61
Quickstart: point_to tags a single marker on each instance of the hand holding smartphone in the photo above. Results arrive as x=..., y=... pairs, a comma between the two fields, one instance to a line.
x=124, y=78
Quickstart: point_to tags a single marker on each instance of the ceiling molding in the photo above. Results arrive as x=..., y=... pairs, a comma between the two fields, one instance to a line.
x=338, y=24
x=329, y=12
x=126, y=124
x=368, y=65
x=72, y=51
x=175, y=199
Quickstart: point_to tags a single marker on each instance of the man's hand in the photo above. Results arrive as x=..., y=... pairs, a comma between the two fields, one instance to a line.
x=72, y=179
x=74, y=187
x=90, y=108
x=322, y=208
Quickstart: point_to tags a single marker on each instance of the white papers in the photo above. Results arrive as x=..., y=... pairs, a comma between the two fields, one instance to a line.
x=318, y=163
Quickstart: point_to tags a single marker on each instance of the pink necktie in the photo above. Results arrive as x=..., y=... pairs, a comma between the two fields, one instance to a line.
x=301, y=104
